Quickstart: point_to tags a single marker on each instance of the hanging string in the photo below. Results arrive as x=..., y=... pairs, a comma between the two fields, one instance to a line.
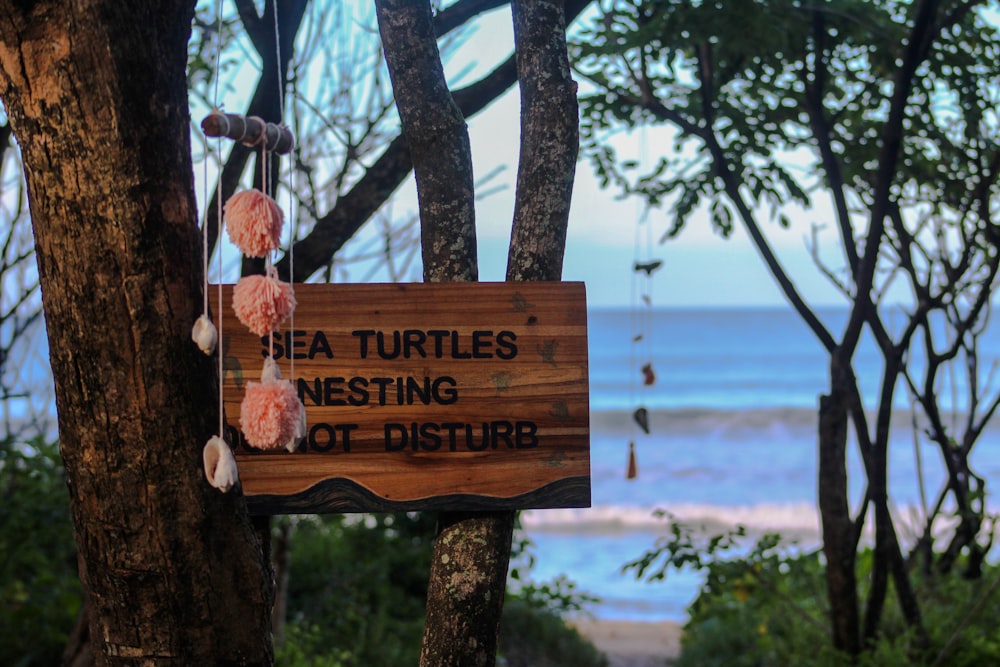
x=644, y=265
x=221, y=350
x=204, y=232
x=292, y=231
x=277, y=60
x=218, y=50
x=218, y=216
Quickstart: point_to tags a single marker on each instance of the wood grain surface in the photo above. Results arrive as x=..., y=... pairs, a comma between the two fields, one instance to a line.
x=446, y=396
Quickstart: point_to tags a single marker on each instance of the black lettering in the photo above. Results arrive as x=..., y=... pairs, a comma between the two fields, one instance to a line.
x=472, y=444
x=526, y=437
x=452, y=428
x=315, y=395
x=414, y=389
x=383, y=351
x=481, y=347
x=430, y=438
x=359, y=391
x=320, y=345
x=315, y=442
x=447, y=395
x=235, y=438
x=414, y=339
x=381, y=383
x=331, y=389
x=506, y=349
x=265, y=344
x=345, y=434
x=455, y=352
x=362, y=335
x=292, y=343
x=390, y=445
x=501, y=430
x=438, y=335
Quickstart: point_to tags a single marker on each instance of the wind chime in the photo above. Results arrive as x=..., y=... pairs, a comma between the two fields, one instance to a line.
x=642, y=375
x=271, y=414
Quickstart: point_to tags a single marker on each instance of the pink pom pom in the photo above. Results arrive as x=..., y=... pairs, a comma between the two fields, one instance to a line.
x=253, y=221
x=271, y=414
x=262, y=303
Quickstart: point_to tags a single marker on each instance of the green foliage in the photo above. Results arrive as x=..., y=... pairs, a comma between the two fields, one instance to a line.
x=533, y=635
x=357, y=589
x=308, y=646
x=559, y=596
x=357, y=583
x=763, y=605
x=755, y=89
x=533, y=630
x=40, y=592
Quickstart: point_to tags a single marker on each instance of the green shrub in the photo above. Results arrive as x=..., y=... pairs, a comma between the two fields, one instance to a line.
x=40, y=592
x=536, y=636
x=357, y=588
x=767, y=607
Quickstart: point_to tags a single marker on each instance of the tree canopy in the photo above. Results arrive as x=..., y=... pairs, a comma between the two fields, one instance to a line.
x=875, y=123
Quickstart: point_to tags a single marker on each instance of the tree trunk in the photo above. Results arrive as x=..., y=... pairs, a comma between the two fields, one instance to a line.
x=472, y=550
x=96, y=93
x=838, y=530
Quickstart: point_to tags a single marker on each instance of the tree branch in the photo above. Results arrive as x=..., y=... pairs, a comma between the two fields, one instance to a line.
x=355, y=208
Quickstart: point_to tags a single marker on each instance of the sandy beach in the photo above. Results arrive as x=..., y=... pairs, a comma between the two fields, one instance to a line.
x=633, y=644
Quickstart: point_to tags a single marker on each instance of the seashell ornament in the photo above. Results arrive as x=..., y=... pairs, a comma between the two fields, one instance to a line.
x=220, y=464
x=205, y=335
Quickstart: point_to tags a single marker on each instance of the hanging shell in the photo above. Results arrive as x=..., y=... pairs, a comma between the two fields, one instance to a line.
x=205, y=335
x=220, y=464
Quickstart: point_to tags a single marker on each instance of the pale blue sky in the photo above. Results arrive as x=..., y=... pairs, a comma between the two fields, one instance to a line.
x=700, y=268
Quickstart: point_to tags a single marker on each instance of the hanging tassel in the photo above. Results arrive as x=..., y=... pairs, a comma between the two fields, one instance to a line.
x=648, y=267
x=262, y=303
x=648, y=376
x=253, y=222
x=271, y=413
x=641, y=417
x=633, y=471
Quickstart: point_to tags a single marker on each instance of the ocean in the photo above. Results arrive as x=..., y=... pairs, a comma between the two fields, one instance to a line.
x=732, y=420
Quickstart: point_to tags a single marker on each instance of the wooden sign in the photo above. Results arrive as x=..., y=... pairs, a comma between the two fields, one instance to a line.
x=430, y=396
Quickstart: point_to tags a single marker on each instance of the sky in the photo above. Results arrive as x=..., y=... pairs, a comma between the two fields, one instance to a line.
x=700, y=269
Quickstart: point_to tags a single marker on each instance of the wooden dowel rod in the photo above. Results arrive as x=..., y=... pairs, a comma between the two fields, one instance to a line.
x=249, y=131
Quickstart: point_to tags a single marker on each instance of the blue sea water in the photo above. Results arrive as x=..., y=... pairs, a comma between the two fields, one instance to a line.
x=732, y=441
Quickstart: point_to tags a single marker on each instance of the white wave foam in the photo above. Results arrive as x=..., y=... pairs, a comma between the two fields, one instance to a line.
x=798, y=521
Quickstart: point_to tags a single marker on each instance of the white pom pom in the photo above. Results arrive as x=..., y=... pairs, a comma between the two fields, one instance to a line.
x=204, y=334
x=220, y=464
x=270, y=370
x=300, y=429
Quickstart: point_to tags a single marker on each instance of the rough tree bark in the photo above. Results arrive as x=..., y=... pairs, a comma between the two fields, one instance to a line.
x=839, y=540
x=472, y=550
x=356, y=207
x=96, y=94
